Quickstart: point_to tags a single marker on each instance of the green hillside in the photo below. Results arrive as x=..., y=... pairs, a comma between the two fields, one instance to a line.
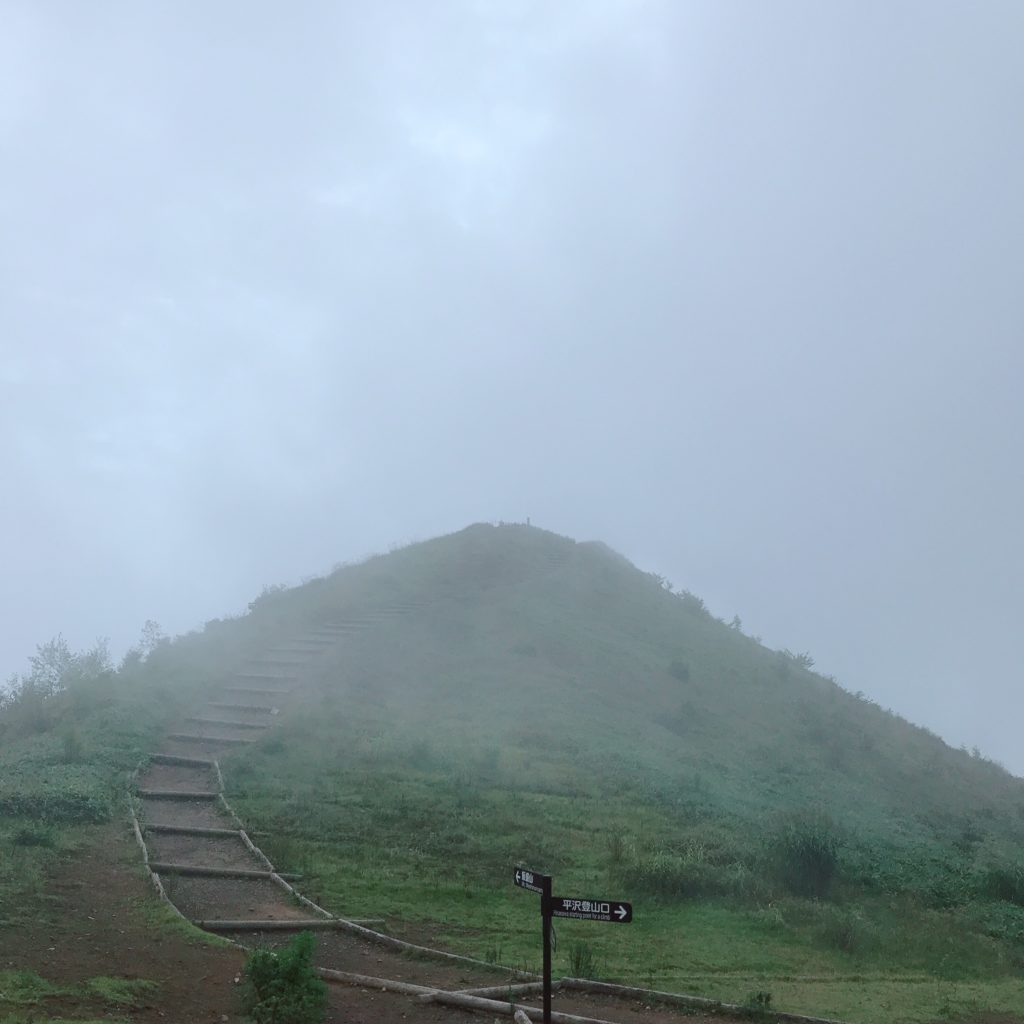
x=543, y=702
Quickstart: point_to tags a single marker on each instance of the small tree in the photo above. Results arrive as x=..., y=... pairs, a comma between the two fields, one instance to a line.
x=152, y=636
x=51, y=665
x=281, y=987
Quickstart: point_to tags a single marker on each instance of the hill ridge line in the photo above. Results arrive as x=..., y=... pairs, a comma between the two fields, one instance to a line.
x=314, y=644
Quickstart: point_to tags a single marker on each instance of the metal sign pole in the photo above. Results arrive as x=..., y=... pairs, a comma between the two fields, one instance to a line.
x=545, y=912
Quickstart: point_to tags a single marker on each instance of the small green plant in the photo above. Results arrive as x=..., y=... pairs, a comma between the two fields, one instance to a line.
x=281, y=987
x=34, y=835
x=618, y=848
x=760, y=1001
x=492, y=953
x=119, y=991
x=582, y=962
x=769, y=917
x=25, y=988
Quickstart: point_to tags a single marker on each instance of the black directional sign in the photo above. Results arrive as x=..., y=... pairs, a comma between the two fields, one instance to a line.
x=615, y=911
x=532, y=880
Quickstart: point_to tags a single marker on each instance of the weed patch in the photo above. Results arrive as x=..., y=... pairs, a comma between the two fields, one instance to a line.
x=25, y=988
x=281, y=987
x=582, y=961
x=120, y=991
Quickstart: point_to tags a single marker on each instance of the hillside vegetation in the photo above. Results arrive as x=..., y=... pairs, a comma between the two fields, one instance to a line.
x=548, y=704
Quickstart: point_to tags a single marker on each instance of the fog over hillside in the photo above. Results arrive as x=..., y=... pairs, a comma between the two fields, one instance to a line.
x=732, y=287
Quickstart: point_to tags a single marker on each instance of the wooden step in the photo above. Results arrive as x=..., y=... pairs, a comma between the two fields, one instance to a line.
x=257, y=689
x=299, y=925
x=193, y=762
x=223, y=705
x=191, y=737
x=196, y=830
x=227, y=723
x=177, y=794
x=164, y=868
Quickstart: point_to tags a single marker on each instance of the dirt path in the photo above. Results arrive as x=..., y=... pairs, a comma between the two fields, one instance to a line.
x=101, y=925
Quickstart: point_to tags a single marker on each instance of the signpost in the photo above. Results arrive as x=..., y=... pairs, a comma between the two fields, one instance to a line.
x=613, y=911
x=532, y=880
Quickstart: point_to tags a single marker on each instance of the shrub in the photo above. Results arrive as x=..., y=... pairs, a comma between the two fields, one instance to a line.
x=33, y=835
x=281, y=987
x=582, y=962
x=805, y=850
x=1004, y=882
x=760, y=1001
x=48, y=805
x=844, y=930
x=679, y=669
x=618, y=847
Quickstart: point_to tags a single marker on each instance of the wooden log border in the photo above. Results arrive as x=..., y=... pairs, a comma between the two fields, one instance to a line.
x=511, y=989
x=192, y=830
x=695, y=1002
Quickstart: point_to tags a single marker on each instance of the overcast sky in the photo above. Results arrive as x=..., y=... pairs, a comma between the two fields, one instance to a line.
x=736, y=287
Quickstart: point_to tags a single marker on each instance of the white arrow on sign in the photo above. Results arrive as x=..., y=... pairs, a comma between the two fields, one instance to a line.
x=620, y=912
x=518, y=877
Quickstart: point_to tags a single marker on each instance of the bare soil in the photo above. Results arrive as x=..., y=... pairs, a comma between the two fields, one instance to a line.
x=233, y=899
x=201, y=813
x=97, y=926
x=202, y=851
x=179, y=777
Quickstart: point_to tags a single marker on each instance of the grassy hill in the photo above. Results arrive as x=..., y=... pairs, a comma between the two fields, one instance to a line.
x=546, y=703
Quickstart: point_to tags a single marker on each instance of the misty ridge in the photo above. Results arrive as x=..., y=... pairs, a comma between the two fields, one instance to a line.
x=730, y=288
x=505, y=695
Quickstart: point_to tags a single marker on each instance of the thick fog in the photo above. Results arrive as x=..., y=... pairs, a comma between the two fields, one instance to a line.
x=734, y=287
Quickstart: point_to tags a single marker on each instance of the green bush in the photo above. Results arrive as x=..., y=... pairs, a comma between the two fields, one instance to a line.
x=70, y=807
x=55, y=792
x=760, y=1001
x=805, y=851
x=582, y=962
x=1004, y=882
x=679, y=669
x=33, y=835
x=281, y=987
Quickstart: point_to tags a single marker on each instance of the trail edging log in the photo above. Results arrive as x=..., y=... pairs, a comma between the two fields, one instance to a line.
x=192, y=762
x=177, y=794
x=406, y=988
x=293, y=925
x=509, y=1009
x=512, y=989
x=194, y=830
x=200, y=871
x=698, y=1002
